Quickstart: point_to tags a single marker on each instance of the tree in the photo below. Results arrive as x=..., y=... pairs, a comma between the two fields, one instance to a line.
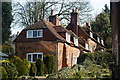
x=6, y=20
x=31, y=12
x=102, y=27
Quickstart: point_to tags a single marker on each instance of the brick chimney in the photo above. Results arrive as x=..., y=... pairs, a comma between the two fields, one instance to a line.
x=74, y=21
x=54, y=18
x=88, y=25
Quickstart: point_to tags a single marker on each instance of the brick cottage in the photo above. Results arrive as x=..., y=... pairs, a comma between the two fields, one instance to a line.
x=66, y=43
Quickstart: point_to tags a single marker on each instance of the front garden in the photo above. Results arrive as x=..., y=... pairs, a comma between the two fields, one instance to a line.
x=16, y=68
x=90, y=65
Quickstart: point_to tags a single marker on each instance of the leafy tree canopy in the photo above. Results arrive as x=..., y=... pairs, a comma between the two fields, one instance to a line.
x=6, y=20
x=102, y=27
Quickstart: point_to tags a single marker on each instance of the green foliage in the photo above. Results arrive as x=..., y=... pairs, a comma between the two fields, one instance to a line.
x=49, y=61
x=22, y=66
x=100, y=58
x=101, y=26
x=4, y=73
x=10, y=69
x=6, y=20
x=6, y=48
x=33, y=70
x=93, y=65
x=40, y=67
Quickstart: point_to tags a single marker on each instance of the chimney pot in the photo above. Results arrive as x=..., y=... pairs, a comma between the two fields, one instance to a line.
x=51, y=11
x=87, y=23
x=76, y=10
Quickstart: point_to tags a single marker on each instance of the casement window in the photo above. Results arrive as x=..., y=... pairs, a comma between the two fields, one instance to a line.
x=86, y=46
x=102, y=42
x=31, y=57
x=91, y=50
x=98, y=39
x=76, y=41
x=91, y=34
x=34, y=33
x=74, y=60
x=68, y=37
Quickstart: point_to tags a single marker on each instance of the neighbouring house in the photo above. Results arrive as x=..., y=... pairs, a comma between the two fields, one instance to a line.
x=49, y=37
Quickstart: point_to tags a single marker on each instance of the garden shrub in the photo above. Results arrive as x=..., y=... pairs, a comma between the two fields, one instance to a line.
x=50, y=66
x=40, y=67
x=7, y=48
x=27, y=65
x=4, y=73
x=33, y=69
x=10, y=69
x=22, y=66
x=65, y=72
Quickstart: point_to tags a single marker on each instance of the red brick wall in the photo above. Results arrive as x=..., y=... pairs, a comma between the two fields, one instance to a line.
x=66, y=52
x=46, y=47
x=92, y=44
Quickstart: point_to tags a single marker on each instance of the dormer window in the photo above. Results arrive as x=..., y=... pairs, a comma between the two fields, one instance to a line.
x=76, y=41
x=34, y=33
x=98, y=39
x=91, y=34
x=68, y=37
x=102, y=42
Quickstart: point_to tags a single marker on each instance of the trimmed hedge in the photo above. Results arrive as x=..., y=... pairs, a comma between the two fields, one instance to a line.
x=4, y=73
x=50, y=66
x=10, y=69
x=40, y=67
x=21, y=65
x=33, y=69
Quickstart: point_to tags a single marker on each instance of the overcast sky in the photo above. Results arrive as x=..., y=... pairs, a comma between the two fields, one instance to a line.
x=97, y=8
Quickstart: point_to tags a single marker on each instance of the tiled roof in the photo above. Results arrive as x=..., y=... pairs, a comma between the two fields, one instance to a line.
x=49, y=25
x=52, y=28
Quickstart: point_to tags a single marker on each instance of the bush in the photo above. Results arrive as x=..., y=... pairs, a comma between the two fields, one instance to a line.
x=10, y=69
x=49, y=61
x=4, y=73
x=7, y=48
x=22, y=66
x=40, y=67
x=33, y=70
x=65, y=72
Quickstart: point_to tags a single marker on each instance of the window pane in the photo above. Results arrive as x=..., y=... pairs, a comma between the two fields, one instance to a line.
x=29, y=57
x=39, y=33
x=29, y=34
x=34, y=33
x=34, y=57
x=40, y=56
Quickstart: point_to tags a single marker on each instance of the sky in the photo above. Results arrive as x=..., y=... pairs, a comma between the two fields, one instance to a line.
x=97, y=8
x=98, y=5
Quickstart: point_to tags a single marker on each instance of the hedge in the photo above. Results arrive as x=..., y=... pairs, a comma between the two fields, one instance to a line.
x=50, y=66
x=21, y=65
x=40, y=67
x=10, y=69
x=4, y=73
x=33, y=69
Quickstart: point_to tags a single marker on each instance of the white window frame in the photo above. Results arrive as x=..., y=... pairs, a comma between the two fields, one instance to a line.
x=102, y=41
x=38, y=36
x=91, y=34
x=76, y=41
x=98, y=39
x=68, y=37
x=86, y=46
x=74, y=60
x=32, y=56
